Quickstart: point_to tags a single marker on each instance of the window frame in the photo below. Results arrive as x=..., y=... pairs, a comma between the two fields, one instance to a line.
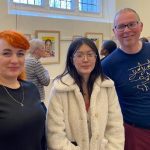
x=46, y=11
x=25, y=4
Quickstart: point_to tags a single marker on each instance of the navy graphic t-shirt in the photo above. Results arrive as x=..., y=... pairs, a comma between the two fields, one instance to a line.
x=131, y=74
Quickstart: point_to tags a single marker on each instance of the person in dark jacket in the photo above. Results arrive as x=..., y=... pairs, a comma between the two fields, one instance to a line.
x=108, y=47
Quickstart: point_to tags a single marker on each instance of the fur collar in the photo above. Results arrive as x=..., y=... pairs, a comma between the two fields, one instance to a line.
x=70, y=85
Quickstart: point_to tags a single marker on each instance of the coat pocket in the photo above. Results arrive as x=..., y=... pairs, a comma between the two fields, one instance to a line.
x=74, y=143
x=103, y=144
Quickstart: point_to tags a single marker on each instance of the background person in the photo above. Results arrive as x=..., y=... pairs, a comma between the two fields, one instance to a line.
x=22, y=117
x=83, y=112
x=108, y=47
x=131, y=73
x=36, y=73
x=144, y=39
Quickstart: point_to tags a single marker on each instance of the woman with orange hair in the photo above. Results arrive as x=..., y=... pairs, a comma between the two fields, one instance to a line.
x=22, y=117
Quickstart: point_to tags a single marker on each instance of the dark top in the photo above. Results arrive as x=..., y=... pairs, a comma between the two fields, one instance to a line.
x=22, y=128
x=131, y=75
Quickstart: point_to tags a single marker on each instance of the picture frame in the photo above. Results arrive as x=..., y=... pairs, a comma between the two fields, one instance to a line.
x=96, y=37
x=52, y=45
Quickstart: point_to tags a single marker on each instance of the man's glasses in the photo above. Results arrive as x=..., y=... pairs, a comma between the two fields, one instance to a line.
x=80, y=56
x=131, y=25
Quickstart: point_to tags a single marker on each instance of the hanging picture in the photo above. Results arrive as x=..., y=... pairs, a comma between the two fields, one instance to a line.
x=96, y=37
x=52, y=45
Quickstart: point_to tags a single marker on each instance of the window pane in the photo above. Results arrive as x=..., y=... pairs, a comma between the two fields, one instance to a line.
x=88, y=5
x=57, y=3
x=38, y=2
x=62, y=4
x=84, y=7
x=30, y=2
x=52, y=3
x=20, y=1
x=68, y=5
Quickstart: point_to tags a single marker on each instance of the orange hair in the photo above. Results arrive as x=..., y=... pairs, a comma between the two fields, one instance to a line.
x=22, y=76
x=16, y=40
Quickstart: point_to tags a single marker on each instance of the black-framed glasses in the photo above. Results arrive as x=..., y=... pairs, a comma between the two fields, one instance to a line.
x=131, y=25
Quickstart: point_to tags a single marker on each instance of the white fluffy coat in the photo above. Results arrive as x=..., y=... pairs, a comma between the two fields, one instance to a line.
x=67, y=117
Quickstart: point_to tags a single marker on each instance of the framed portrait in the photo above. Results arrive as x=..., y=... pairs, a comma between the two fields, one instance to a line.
x=52, y=45
x=96, y=37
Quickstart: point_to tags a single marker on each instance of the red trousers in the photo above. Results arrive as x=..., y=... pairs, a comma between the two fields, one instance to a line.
x=136, y=138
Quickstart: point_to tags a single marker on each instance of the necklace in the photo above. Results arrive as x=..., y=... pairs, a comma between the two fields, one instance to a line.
x=21, y=103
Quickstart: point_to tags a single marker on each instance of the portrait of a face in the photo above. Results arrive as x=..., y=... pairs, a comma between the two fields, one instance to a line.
x=49, y=47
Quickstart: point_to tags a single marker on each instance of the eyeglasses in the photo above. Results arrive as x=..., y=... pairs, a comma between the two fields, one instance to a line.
x=81, y=56
x=131, y=25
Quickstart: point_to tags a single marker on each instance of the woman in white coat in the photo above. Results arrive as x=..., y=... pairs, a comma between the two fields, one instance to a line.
x=83, y=112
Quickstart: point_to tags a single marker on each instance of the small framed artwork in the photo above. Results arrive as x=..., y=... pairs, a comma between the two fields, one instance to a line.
x=96, y=37
x=52, y=45
x=76, y=37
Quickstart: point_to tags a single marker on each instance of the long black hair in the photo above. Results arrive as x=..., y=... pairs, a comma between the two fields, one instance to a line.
x=70, y=68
